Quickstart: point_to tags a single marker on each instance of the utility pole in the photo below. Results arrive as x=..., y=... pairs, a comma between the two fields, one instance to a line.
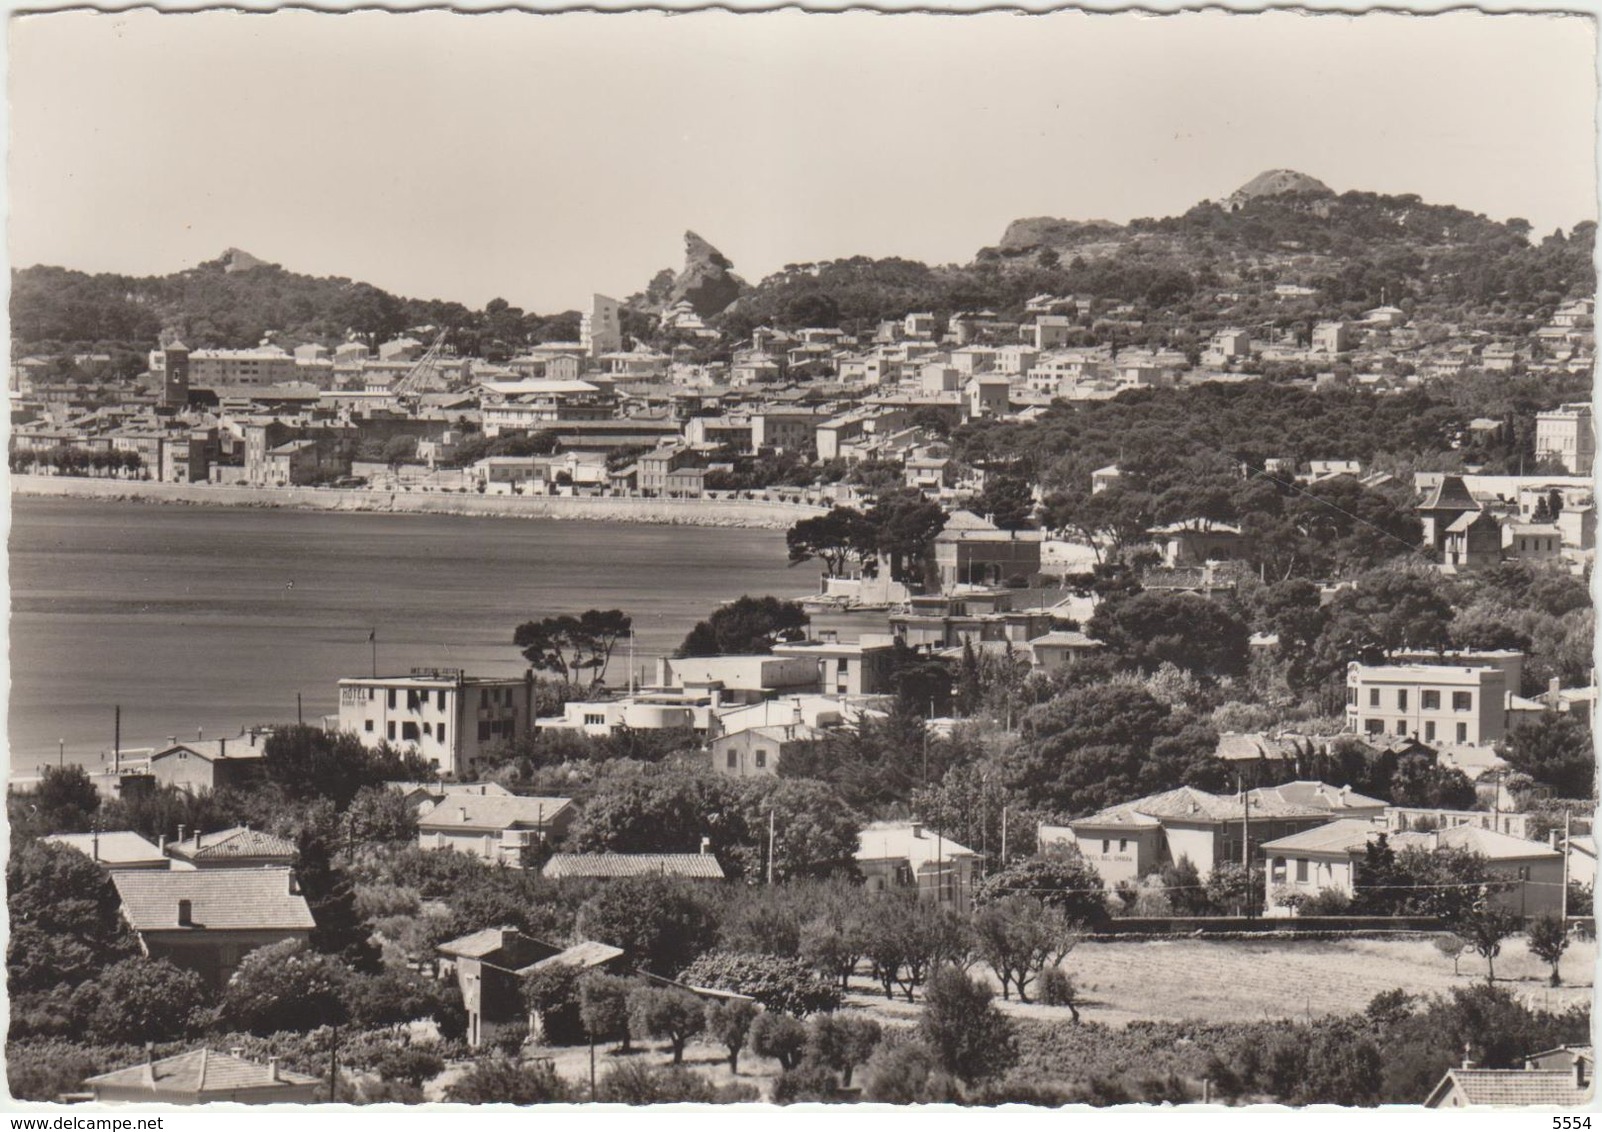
x=1563, y=907
x=116, y=740
x=1004, y=837
x=61, y=753
x=1246, y=847
x=299, y=717
x=770, y=847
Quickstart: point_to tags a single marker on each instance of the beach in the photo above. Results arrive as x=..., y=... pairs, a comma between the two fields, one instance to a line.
x=755, y=514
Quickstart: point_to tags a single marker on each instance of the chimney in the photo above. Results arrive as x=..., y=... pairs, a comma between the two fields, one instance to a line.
x=1553, y=687
x=1579, y=1071
x=1556, y=837
x=198, y=836
x=706, y=846
x=161, y=844
x=463, y=813
x=94, y=844
x=200, y=733
x=917, y=829
x=181, y=832
x=186, y=914
x=172, y=740
x=1435, y=839
x=238, y=1051
x=1468, y=1061
x=150, y=1063
x=272, y=1069
x=222, y=747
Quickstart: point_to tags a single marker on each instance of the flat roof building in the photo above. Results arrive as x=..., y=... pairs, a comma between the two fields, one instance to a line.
x=448, y=717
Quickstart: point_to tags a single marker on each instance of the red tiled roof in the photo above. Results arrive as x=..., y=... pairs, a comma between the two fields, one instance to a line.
x=587, y=954
x=491, y=812
x=1514, y=1087
x=238, y=842
x=697, y=865
x=111, y=849
x=220, y=899
x=199, y=1072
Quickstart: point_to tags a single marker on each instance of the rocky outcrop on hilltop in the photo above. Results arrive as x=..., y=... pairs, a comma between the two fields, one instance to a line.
x=1276, y=182
x=234, y=260
x=706, y=282
x=1047, y=231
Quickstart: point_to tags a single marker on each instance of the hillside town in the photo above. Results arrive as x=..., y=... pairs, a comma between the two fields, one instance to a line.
x=788, y=413
x=1186, y=696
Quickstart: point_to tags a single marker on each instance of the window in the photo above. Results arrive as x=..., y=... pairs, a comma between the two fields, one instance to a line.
x=1429, y=730
x=428, y=729
x=594, y=719
x=1277, y=870
x=1351, y=697
x=439, y=733
x=1123, y=845
x=483, y=731
x=1401, y=727
x=1430, y=701
x=1301, y=870
x=761, y=759
x=1462, y=733
x=409, y=731
x=733, y=760
x=368, y=726
x=1401, y=699
x=1373, y=697
x=1374, y=726
x=439, y=699
x=1106, y=846
x=1462, y=701
x=391, y=731
x=392, y=699
x=1524, y=872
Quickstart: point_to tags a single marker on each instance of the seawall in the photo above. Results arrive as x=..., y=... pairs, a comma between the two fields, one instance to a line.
x=751, y=513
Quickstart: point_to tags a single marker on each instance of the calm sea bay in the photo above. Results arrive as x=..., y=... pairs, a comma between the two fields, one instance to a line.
x=214, y=618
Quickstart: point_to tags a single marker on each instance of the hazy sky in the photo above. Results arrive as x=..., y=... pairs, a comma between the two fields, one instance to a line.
x=542, y=158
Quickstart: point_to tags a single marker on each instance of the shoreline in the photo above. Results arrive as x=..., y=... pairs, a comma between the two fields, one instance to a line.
x=751, y=514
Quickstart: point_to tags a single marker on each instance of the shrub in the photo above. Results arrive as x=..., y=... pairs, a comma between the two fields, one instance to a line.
x=384, y=1091
x=907, y=1072
x=807, y=1083
x=962, y=1027
x=666, y=1013
x=788, y=986
x=499, y=1080
x=140, y=1000
x=780, y=1037
x=730, y=1023
x=407, y=1063
x=842, y=1042
x=634, y=1083
x=1326, y=902
x=1057, y=989
x=553, y=993
x=391, y=998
